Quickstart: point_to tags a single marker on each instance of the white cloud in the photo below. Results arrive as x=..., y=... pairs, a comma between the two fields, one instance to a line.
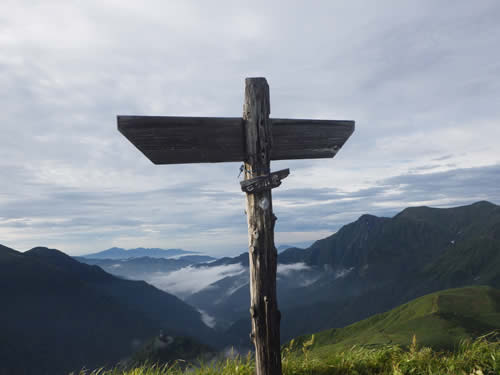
x=339, y=274
x=208, y=319
x=310, y=281
x=287, y=269
x=236, y=286
x=189, y=280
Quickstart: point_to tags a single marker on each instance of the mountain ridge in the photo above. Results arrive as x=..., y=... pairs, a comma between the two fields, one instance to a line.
x=55, y=305
x=374, y=264
x=120, y=253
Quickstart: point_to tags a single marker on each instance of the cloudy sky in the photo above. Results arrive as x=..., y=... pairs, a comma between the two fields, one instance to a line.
x=420, y=78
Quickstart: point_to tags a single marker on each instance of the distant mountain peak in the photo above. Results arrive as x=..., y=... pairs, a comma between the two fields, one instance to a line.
x=368, y=218
x=484, y=203
x=45, y=251
x=429, y=213
x=120, y=253
x=8, y=253
x=7, y=249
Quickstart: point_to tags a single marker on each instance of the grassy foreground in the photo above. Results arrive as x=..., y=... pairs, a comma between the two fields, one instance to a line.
x=471, y=358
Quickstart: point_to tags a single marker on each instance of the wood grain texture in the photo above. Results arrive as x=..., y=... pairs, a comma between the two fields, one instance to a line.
x=262, y=252
x=308, y=139
x=174, y=140
x=255, y=139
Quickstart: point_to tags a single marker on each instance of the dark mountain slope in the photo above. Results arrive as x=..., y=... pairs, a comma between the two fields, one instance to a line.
x=54, y=323
x=6, y=252
x=65, y=263
x=59, y=315
x=380, y=243
x=361, y=257
x=155, y=304
x=375, y=264
x=472, y=256
x=419, y=251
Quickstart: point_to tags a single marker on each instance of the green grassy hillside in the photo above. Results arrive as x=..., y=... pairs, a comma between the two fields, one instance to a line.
x=438, y=320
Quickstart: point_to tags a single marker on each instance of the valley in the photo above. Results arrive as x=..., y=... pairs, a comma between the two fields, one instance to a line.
x=383, y=279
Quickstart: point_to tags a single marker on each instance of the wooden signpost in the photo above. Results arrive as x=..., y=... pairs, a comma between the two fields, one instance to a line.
x=254, y=139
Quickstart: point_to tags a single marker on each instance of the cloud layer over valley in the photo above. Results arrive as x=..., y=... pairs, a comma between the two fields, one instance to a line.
x=189, y=280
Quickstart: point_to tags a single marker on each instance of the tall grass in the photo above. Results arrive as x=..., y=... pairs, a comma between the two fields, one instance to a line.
x=480, y=357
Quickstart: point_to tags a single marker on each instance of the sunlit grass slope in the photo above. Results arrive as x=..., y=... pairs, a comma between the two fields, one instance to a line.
x=438, y=320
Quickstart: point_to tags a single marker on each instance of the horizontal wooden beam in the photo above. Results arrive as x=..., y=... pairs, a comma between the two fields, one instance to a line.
x=175, y=140
x=308, y=139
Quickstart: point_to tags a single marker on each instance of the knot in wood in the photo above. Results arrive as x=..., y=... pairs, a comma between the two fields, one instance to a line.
x=253, y=311
x=255, y=244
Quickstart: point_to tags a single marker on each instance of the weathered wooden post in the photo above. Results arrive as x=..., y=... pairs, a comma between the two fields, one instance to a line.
x=262, y=252
x=254, y=139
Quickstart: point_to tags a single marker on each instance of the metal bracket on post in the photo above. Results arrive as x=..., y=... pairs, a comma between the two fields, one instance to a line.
x=263, y=183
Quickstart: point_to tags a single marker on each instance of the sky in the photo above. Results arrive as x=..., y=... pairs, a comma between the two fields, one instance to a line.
x=420, y=78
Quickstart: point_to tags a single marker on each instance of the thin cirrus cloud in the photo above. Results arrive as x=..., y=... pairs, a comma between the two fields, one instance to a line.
x=420, y=79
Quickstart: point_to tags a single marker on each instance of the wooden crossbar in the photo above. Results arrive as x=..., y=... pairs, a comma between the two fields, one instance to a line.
x=176, y=140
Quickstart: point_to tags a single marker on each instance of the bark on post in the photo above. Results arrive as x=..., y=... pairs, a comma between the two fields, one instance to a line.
x=262, y=252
